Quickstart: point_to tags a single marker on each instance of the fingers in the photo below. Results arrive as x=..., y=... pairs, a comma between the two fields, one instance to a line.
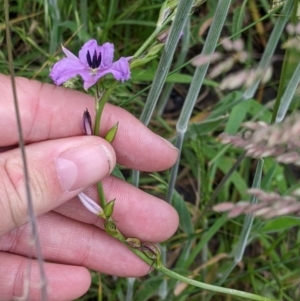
x=64, y=282
x=79, y=242
x=71, y=242
x=58, y=170
x=136, y=213
x=50, y=112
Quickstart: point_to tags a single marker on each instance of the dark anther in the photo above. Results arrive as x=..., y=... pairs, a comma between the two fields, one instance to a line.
x=95, y=63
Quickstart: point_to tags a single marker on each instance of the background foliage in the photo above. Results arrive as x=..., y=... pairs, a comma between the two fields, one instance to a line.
x=208, y=246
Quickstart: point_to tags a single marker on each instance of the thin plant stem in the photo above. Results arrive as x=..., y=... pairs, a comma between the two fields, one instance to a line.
x=210, y=287
x=158, y=266
x=30, y=207
x=152, y=37
x=100, y=101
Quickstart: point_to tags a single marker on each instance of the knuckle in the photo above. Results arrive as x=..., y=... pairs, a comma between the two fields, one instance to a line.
x=13, y=196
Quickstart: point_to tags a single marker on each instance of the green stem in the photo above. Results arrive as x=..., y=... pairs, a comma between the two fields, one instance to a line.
x=157, y=265
x=100, y=101
x=101, y=195
x=209, y=287
x=100, y=106
x=205, y=286
x=147, y=42
x=152, y=37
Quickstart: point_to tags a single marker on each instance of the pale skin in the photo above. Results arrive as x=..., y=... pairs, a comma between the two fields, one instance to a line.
x=72, y=238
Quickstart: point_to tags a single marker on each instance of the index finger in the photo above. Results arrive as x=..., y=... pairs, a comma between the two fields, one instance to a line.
x=51, y=112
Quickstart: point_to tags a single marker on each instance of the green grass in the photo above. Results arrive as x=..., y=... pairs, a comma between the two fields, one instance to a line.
x=204, y=245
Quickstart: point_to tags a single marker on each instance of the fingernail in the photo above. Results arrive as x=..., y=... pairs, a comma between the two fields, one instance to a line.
x=168, y=143
x=83, y=165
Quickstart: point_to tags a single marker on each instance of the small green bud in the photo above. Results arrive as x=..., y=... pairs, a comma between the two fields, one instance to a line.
x=133, y=242
x=166, y=10
x=141, y=61
x=111, y=229
x=111, y=134
x=109, y=208
x=154, y=50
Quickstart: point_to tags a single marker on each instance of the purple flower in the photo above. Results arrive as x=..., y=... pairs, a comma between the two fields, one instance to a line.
x=92, y=63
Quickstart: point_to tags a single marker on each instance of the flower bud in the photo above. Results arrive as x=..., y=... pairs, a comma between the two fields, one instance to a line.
x=109, y=208
x=111, y=134
x=162, y=37
x=140, y=61
x=86, y=123
x=133, y=243
x=90, y=205
x=154, y=50
x=165, y=11
x=111, y=229
x=152, y=252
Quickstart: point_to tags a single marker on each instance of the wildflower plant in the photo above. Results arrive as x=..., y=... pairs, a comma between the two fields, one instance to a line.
x=100, y=70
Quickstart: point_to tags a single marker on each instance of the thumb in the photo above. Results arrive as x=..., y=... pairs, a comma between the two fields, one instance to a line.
x=58, y=171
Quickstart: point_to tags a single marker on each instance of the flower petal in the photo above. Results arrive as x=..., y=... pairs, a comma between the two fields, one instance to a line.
x=65, y=69
x=89, y=204
x=107, y=53
x=90, y=46
x=120, y=69
x=91, y=81
x=68, y=53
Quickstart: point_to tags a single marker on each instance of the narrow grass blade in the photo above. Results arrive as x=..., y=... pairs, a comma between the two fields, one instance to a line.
x=264, y=62
x=209, y=48
x=180, y=19
x=270, y=48
x=181, y=58
x=54, y=22
x=130, y=286
x=288, y=95
x=238, y=251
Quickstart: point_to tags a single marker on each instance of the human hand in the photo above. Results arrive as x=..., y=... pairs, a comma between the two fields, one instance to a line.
x=62, y=162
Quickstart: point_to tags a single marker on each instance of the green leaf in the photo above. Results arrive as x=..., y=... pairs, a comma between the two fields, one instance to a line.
x=148, y=288
x=280, y=224
x=237, y=21
x=237, y=116
x=185, y=221
x=117, y=173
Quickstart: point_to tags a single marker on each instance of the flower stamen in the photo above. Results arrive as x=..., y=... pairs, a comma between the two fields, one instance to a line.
x=95, y=62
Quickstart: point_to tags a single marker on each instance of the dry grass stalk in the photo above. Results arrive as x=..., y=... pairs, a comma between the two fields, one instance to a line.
x=281, y=141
